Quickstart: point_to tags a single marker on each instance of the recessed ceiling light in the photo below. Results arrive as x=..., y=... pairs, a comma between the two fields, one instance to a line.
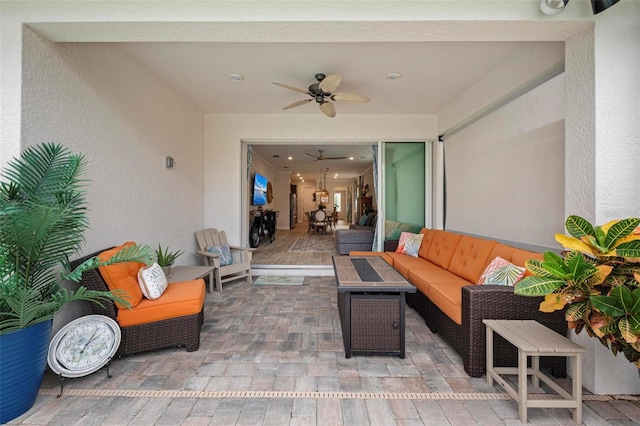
x=394, y=76
x=350, y=158
x=297, y=174
x=289, y=158
x=236, y=77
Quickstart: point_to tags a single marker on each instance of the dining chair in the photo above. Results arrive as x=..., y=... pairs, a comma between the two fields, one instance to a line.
x=320, y=221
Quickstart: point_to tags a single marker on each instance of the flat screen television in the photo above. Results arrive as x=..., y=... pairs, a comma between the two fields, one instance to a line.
x=259, y=190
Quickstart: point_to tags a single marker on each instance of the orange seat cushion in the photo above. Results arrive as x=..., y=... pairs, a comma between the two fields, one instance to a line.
x=122, y=276
x=381, y=254
x=178, y=300
x=403, y=263
x=448, y=297
x=442, y=248
x=470, y=257
x=423, y=277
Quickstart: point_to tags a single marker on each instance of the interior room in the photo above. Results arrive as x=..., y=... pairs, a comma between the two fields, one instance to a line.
x=491, y=119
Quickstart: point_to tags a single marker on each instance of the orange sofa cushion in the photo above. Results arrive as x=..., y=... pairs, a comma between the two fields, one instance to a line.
x=470, y=257
x=521, y=256
x=178, y=300
x=381, y=254
x=442, y=248
x=427, y=274
x=403, y=263
x=122, y=276
x=427, y=240
x=447, y=295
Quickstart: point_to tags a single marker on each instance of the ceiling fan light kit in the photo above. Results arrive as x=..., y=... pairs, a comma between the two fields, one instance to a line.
x=322, y=93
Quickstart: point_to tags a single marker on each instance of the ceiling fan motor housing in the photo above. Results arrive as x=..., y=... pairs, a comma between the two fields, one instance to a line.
x=317, y=92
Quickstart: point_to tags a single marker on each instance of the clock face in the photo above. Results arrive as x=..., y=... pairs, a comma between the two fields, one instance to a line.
x=84, y=346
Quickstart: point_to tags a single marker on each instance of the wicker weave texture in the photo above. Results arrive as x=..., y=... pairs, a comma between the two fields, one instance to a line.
x=469, y=339
x=375, y=324
x=172, y=332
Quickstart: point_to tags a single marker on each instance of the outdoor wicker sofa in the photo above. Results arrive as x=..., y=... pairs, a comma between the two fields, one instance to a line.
x=175, y=331
x=445, y=274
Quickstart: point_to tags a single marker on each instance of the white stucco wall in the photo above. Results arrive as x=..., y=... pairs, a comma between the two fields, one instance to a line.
x=224, y=160
x=602, y=179
x=97, y=100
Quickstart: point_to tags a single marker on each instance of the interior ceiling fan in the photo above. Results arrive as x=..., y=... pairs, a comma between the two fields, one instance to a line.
x=321, y=157
x=322, y=92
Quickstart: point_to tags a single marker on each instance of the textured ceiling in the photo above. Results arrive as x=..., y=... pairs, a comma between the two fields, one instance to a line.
x=271, y=41
x=433, y=74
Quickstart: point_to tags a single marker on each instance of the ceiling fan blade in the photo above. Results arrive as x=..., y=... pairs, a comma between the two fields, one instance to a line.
x=295, y=104
x=297, y=89
x=330, y=83
x=328, y=109
x=311, y=155
x=349, y=98
x=334, y=158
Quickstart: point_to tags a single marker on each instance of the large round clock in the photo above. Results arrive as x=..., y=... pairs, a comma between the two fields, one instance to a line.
x=84, y=345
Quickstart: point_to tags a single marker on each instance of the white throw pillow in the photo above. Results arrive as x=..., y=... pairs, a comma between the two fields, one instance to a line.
x=152, y=281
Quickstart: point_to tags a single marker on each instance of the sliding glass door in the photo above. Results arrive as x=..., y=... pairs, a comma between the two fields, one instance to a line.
x=406, y=187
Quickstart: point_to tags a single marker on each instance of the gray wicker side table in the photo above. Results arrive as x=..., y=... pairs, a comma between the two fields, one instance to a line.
x=371, y=302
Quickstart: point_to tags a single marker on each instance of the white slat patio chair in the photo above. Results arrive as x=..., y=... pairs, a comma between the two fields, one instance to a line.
x=241, y=266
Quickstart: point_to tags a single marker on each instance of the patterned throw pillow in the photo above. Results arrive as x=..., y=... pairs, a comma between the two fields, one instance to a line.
x=501, y=272
x=152, y=281
x=225, y=254
x=409, y=243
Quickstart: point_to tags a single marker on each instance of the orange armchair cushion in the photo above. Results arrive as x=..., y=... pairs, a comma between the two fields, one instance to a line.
x=178, y=300
x=122, y=276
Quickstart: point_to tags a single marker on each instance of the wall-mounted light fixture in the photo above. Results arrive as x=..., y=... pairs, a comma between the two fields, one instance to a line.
x=552, y=7
x=170, y=162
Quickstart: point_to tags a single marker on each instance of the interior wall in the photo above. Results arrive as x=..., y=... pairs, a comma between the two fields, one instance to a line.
x=224, y=153
x=522, y=199
x=261, y=166
x=97, y=100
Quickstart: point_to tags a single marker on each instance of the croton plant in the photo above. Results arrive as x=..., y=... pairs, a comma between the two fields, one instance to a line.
x=596, y=280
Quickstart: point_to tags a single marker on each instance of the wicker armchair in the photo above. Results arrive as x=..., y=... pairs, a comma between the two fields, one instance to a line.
x=180, y=331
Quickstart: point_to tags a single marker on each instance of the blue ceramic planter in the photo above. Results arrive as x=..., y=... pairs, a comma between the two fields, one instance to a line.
x=23, y=358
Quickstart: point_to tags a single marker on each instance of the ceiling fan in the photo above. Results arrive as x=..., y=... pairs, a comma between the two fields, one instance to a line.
x=324, y=89
x=321, y=157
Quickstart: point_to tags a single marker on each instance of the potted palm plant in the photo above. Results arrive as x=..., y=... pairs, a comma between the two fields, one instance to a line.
x=43, y=217
x=166, y=258
x=596, y=281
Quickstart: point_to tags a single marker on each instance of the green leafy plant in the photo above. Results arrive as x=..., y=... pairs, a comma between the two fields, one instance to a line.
x=43, y=217
x=596, y=281
x=166, y=257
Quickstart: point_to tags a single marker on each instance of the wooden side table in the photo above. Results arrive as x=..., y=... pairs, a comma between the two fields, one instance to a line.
x=535, y=340
x=188, y=273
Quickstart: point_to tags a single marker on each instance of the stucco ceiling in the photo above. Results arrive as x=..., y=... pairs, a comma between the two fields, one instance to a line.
x=437, y=60
x=433, y=74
